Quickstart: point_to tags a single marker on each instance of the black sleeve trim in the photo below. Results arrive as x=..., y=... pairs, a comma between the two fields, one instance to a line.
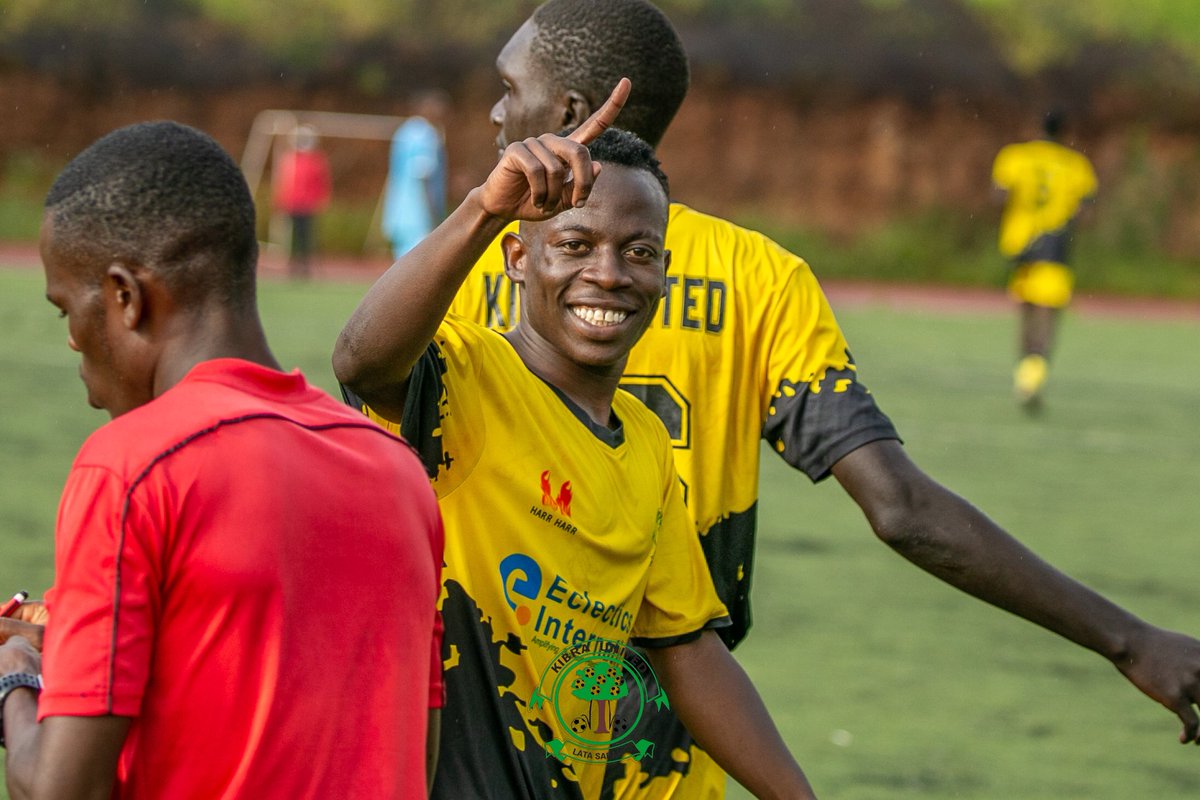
x=812, y=431
x=683, y=638
x=423, y=408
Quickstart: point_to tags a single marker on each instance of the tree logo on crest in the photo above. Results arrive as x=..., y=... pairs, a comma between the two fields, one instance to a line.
x=601, y=693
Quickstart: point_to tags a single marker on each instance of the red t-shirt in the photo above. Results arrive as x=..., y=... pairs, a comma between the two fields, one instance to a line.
x=249, y=570
x=302, y=183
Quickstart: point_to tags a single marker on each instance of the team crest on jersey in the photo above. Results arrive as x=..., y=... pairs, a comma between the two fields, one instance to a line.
x=602, y=695
x=561, y=501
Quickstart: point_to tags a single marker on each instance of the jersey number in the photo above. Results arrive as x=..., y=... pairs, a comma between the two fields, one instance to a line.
x=667, y=402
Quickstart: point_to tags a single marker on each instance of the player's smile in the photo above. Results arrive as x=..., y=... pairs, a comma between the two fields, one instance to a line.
x=599, y=317
x=608, y=322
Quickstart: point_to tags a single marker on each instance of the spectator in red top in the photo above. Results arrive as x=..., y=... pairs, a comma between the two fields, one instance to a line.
x=302, y=189
x=212, y=534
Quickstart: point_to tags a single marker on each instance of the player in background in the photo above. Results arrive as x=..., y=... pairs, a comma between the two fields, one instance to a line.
x=745, y=348
x=414, y=200
x=302, y=189
x=1043, y=185
x=195, y=646
x=565, y=520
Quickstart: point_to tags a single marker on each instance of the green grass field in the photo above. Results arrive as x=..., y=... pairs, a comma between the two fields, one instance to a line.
x=886, y=683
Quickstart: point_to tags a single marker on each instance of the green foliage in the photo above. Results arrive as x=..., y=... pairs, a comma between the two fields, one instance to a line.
x=1034, y=33
x=1038, y=33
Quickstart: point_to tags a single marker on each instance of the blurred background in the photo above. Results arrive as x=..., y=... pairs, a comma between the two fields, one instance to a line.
x=857, y=132
x=860, y=133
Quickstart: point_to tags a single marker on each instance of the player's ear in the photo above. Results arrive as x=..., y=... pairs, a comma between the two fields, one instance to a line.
x=516, y=255
x=576, y=109
x=125, y=294
x=666, y=270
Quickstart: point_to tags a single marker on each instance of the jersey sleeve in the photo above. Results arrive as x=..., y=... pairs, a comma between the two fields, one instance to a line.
x=426, y=397
x=425, y=404
x=818, y=411
x=680, y=600
x=1005, y=168
x=106, y=601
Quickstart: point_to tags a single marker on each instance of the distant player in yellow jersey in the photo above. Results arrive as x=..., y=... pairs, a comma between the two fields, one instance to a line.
x=566, y=531
x=744, y=348
x=1044, y=184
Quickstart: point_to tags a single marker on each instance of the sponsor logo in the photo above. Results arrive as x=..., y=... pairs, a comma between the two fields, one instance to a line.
x=561, y=501
x=558, y=503
x=558, y=615
x=527, y=584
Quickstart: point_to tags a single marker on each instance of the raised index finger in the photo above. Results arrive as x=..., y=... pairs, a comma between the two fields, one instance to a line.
x=604, y=117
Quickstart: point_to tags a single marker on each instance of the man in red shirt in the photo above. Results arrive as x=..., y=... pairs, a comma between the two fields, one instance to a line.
x=197, y=645
x=302, y=190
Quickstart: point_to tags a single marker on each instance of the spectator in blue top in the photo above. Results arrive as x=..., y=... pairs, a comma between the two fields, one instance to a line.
x=415, y=201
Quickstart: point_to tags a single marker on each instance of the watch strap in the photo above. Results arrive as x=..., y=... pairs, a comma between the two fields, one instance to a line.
x=16, y=680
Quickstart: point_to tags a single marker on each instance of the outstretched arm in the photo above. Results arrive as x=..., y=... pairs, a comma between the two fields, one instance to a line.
x=948, y=537
x=722, y=710
x=399, y=315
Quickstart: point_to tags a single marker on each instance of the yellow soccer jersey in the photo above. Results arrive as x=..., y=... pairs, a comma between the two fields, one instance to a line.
x=558, y=533
x=1046, y=183
x=745, y=348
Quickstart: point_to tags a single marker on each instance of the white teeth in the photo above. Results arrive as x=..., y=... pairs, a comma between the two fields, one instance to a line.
x=599, y=316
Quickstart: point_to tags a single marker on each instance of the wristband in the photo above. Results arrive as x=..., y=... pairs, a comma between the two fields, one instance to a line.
x=16, y=680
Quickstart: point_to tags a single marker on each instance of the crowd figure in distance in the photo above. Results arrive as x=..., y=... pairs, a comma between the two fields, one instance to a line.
x=415, y=196
x=302, y=189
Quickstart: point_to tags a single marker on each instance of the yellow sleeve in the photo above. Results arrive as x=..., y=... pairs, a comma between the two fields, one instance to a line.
x=442, y=417
x=805, y=338
x=1006, y=169
x=818, y=411
x=680, y=599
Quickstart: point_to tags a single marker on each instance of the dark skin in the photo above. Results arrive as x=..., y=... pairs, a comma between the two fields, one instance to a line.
x=593, y=251
x=136, y=340
x=912, y=513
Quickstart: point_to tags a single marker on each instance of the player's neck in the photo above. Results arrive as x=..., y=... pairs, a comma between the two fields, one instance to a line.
x=590, y=388
x=206, y=336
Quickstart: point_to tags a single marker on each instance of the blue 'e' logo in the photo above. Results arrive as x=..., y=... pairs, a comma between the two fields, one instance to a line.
x=527, y=584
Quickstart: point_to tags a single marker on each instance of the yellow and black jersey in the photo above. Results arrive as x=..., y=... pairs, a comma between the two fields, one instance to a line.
x=558, y=531
x=745, y=347
x=1046, y=183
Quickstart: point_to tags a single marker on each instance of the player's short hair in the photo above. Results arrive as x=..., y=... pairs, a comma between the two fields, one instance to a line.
x=166, y=197
x=626, y=149
x=589, y=45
